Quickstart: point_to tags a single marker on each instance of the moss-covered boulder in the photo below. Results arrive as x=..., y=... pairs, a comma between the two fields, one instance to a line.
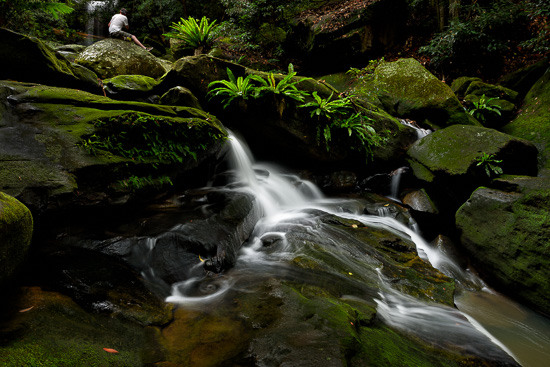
x=533, y=121
x=28, y=59
x=505, y=231
x=457, y=159
x=111, y=57
x=406, y=89
x=277, y=129
x=129, y=87
x=460, y=85
x=180, y=96
x=71, y=147
x=523, y=79
x=16, y=228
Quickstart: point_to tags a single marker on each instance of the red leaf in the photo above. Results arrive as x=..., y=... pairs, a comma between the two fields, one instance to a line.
x=109, y=350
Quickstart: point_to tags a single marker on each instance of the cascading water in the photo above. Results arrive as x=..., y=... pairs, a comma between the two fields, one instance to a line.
x=93, y=27
x=482, y=327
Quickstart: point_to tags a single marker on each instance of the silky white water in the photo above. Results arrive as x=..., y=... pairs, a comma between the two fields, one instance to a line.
x=288, y=202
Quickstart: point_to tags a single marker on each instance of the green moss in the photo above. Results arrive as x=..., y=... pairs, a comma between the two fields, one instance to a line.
x=56, y=332
x=16, y=228
x=140, y=83
x=532, y=121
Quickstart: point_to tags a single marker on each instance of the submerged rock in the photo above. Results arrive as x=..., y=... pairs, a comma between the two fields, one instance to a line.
x=505, y=231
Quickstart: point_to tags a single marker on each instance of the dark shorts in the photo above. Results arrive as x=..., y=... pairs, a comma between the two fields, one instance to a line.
x=122, y=35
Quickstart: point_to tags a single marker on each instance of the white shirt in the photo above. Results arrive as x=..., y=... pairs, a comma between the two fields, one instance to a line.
x=117, y=22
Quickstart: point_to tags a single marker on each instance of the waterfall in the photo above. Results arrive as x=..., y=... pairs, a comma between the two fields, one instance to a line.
x=94, y=27
x=288, y=202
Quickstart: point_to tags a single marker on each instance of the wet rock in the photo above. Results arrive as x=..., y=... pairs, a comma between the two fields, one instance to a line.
x=505, y=232
x=449, y=160
x=16, y=229
x=420, y=200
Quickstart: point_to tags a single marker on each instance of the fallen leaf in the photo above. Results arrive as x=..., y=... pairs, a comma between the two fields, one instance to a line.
x=109, y=350
x=26, y=309
x=354, y=225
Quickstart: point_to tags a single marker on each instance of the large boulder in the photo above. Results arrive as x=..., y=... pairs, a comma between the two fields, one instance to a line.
x=55, y=148
x=16, y=228
x=28, y=59
x=450, y=159
x=533, y=120
x=506, y=232
x=111, y=57
x=406, y=89
x=276, y=128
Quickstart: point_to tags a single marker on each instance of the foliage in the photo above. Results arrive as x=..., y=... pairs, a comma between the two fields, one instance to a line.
x=366, y=73
x=328, y=107
x=143, y=137
x=490, y=164
x=286, y=86
x=483, y=31
x=233, y=88
x=135, y=183
x=483, y=107
x=39, y=18
x=199, y=36
x=538, y=12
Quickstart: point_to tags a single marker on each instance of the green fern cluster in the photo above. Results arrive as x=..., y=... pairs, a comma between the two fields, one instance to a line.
x=333, y=114
x=198, y=35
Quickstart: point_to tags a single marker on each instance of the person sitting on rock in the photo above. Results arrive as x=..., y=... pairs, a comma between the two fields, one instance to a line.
x=115, y=29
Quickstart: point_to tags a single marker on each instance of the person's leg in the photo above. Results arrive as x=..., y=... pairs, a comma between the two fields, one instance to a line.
x=136, y=41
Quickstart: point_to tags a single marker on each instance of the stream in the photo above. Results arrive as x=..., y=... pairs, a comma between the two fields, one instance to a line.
x=483, y=322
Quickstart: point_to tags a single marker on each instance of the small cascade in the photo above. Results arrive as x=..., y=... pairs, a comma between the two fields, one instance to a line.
x=420, y=132
x=288, y=203
x=395, y=181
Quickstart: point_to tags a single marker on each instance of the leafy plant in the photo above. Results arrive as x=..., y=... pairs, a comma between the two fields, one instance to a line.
x=197, y=35
x=233, y=88
x=483, y=107
x=490, y=164
x=135, y=183
x=328, y=107
x=143, y=137
x=359, y=129
x=285, y=86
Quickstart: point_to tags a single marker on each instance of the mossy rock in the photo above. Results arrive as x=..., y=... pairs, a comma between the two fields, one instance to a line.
x=130, y=87
x=532, y=121
x=28, y=59
x=505, y=232
x=448, y=159
x=16, y=229
x=408, y=90
x=49, y=153
x=480, y=88
x=180, y=96
x=111, y=57
x=523, y=79
x=461, y=84
x=52, y=331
